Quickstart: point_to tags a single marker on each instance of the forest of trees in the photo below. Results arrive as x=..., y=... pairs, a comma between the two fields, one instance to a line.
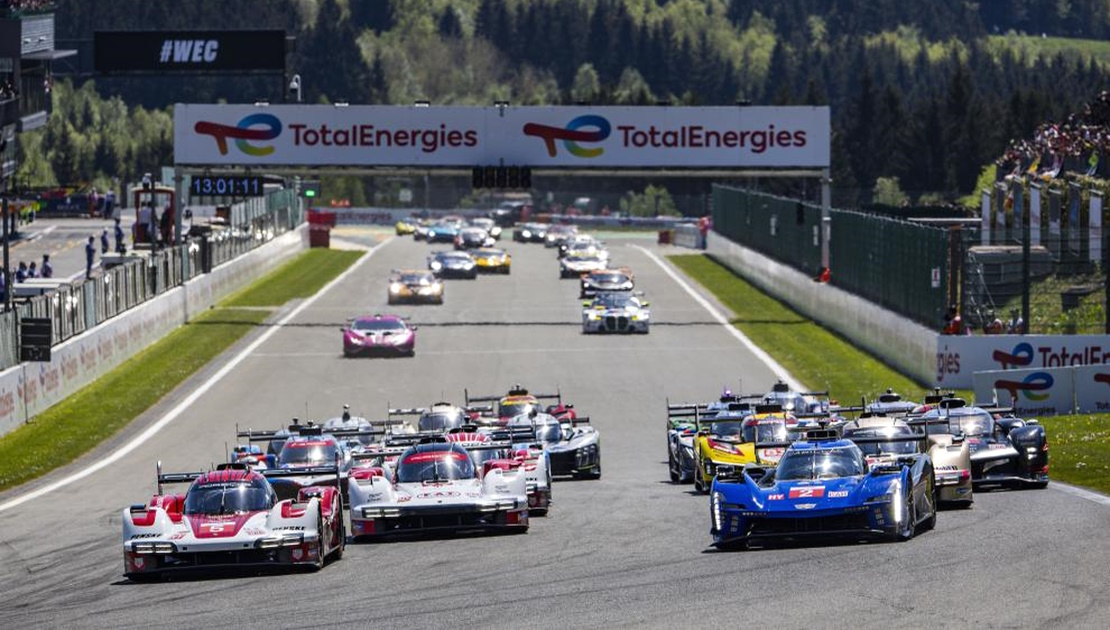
x=916, y=94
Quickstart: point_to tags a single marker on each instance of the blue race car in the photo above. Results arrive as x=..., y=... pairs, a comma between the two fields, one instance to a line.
x=822, y=487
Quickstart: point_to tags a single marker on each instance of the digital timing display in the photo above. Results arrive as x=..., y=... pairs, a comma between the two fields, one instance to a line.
x=227, y=186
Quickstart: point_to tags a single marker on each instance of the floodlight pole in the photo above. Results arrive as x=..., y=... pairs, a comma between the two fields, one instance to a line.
x=826, y=218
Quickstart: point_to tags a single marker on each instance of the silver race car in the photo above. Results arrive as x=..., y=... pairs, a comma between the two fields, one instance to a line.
x=573, y=446
x=616, y=312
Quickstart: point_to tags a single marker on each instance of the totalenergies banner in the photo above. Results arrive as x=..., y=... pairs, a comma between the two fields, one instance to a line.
x=581, y=137
x=1092, y=389
x=1037, y=392
x=959, y=357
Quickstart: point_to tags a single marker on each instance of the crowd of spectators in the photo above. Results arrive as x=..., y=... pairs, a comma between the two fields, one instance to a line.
x=27, y=6
x=1077, y=144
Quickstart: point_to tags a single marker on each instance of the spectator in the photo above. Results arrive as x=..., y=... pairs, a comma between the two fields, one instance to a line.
x=90, y=253
x=1016, y=325
x=994, y=327
x=21, y=272
x=104, y=242
x=119, y=238
x=32, y=271
x=47, y=268
x=109, y=203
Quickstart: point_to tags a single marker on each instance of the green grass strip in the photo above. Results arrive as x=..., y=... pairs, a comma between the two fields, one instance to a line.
x=1080, y=445
x=74, y=426
x=299, y=278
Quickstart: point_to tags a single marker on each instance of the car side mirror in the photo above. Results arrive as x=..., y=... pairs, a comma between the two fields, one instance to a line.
x=586, y=303
x=958, y=439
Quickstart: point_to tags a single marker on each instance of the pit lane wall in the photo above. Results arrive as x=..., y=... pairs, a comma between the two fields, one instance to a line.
x=907, y=346
x=28, y=389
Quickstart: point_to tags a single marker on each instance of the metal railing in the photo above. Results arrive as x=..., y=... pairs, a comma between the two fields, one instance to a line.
x=77, y=307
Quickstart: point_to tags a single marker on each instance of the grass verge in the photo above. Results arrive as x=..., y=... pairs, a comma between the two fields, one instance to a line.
x=1080, y=444
x=77, y=424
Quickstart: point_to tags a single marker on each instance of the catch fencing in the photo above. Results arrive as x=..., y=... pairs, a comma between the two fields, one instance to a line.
x=77, y=307
x=902, y=266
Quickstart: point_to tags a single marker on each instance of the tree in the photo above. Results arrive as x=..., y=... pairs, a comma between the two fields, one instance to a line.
x=586, y=86
x=888, y=192
x=449, y=24
x=632, y=89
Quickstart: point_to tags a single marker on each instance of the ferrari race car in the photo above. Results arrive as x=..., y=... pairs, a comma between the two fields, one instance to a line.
x=1005, y=450
x=491, y=260
x=558, y=234
x=615, y=312
x=573, y=447
x=406, y=226
x=378, y=335
x=453, y=265
x=232, y=517
x=605, y=280
x=416, y=285
x=884, y=439
x=574, y=265
x=742, y=434
x=435, y=488
x=517, y=401
x=822, y=487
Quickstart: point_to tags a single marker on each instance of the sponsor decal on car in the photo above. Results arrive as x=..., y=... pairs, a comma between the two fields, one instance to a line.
x=805, y=506
x=776, y=497
x=807, y=492
x=838, y=494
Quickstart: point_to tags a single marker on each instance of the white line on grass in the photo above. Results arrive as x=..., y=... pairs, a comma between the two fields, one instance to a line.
x=180, y=408
x=734, y=331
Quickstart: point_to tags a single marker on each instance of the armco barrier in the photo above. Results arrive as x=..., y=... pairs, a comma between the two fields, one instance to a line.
x=30, y=388
x=907, y=346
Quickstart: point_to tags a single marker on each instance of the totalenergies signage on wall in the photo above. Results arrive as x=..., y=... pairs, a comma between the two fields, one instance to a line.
x=1031, y=393
x=580, y=137
x=959, y=357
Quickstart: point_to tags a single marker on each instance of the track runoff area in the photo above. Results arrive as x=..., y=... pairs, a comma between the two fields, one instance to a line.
x=630, y=548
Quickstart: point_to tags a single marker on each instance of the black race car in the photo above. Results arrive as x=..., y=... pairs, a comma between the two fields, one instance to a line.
x=1005, y=450
x=453, y=265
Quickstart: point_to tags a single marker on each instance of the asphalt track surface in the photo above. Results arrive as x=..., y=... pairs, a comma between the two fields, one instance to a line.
x=630, y=549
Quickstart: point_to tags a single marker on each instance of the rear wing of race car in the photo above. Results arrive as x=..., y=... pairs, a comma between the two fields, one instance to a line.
x=189, y=477
x=308, y=431
x=406, y=411
x=513, y=391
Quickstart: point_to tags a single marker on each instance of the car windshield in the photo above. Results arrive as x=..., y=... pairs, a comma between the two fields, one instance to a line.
x=229, y=498
x=441, y=420
x=415, y=278
x=490, y=252
x=549, y=433
x=585, y=258
x=789, y=401
x=765, y=432
x=378, y=324
x=615, y=278
x=614, y=300
x=846, y=461
x=312, y=452
x=435, y=466
x=981, y=423
x=513, y=409
x=453, y=256
x=730, y=429
x=482, y=455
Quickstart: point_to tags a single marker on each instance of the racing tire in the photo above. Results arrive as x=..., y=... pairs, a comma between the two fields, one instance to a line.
x=338, y=553
x=931, y=522
x=911, y=518
x=672, y=467
x=319, y=564
x=699, y=484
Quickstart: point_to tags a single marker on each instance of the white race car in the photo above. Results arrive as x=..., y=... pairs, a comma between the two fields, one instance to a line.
x=576, y=264
x=616, y=312
x=434, y=487
x=231, y=517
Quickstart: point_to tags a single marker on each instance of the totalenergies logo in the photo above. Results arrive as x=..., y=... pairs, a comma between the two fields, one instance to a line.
x=1021, y=356
x=1035, y=382
x=1103, y=378
x=598, y=129
x=256, y=127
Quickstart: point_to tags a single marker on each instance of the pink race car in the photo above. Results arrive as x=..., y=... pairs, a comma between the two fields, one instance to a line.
x=378, y=334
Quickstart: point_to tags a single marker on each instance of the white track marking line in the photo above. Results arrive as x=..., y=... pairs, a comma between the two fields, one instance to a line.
x=1076, y=491
x=180, y=408
x=717, y=315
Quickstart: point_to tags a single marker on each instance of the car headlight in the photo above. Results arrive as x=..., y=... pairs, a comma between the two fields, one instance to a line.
x=495, y=232
x=396, y=287
x=526, y=234
x=715, y=509
x=398, y=339
x=593, y=316
x=436, y=265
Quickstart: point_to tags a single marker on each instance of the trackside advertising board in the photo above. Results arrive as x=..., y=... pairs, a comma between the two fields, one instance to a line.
x=1092, y=389
x=578, y=137
x=1037, y=392
x=959, y=357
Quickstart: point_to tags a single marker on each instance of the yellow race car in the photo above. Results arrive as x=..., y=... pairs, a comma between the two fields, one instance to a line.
x=415, y=285
x=491, y=260
x=735, y=437
x=406, y=226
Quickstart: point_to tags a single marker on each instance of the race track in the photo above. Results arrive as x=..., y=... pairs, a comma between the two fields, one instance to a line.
x=630, y=549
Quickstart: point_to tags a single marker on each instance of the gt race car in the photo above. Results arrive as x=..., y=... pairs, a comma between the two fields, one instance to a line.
x=453, y=264
x=435, y=488
x=415, y=285
x=618, y=312
x=492, y=260
x=822, y=487
x=232, y=517
x=378, y=334
x=595, y=282
x=530, y=233
x=574, y=265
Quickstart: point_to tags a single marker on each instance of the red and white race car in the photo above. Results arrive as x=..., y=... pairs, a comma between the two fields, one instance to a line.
x=435, y=487
x=231, y=517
